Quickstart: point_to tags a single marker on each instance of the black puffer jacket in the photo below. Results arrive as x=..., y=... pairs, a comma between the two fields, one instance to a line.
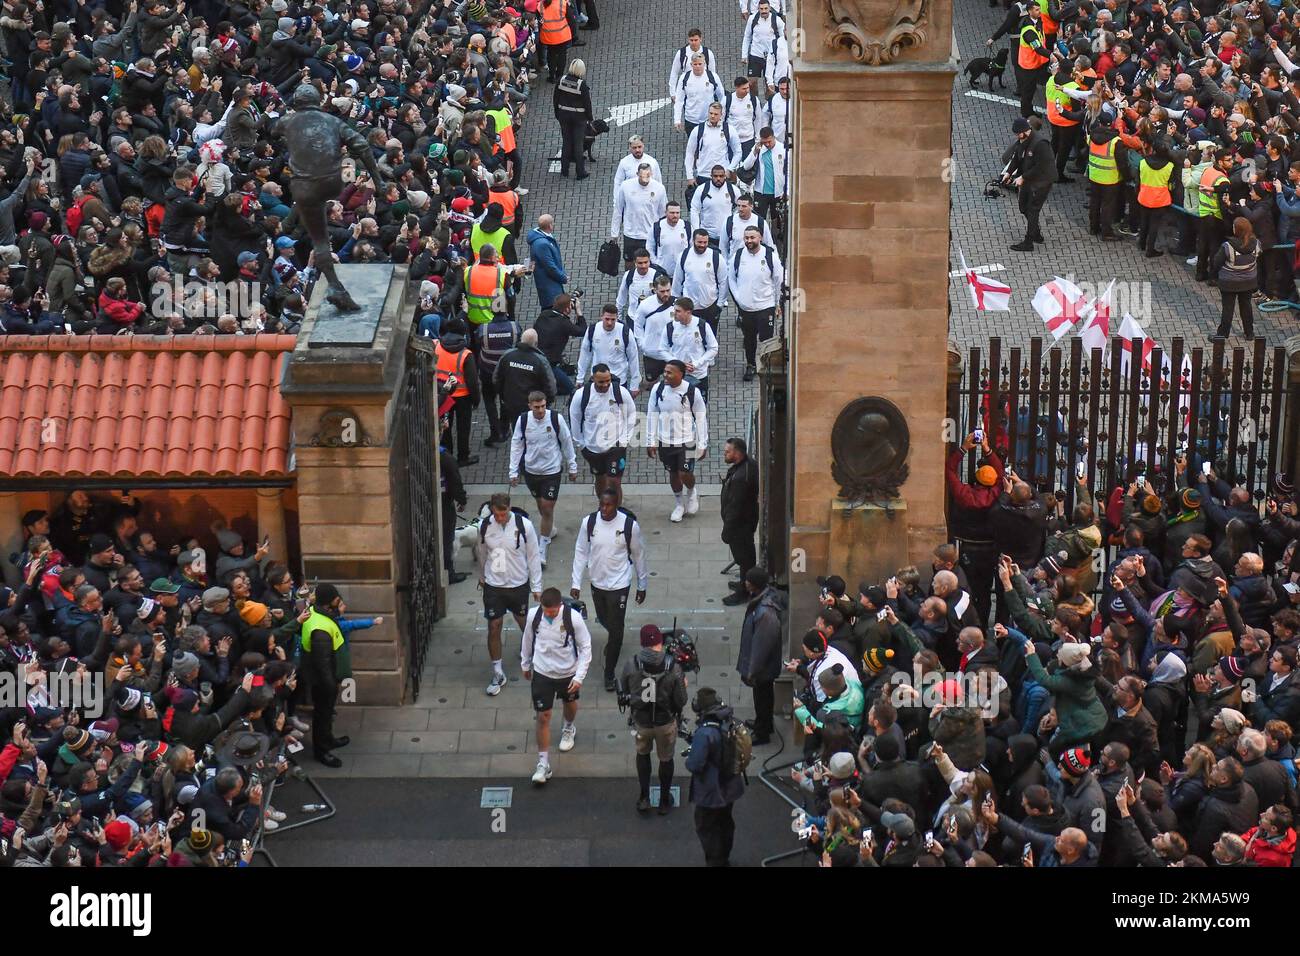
x=1019, y=530
x=1231, y=809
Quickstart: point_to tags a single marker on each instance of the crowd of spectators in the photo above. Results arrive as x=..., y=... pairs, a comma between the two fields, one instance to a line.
x=1114, y=686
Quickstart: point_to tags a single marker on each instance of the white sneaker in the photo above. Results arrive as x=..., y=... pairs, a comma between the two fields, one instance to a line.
x=567, y=739
x=274, y=814
x=542, y=773
x=1191, y=261
x=521, y=190
x=270, y=824
x=693, y=502
x=498, y=681
x=677, y=513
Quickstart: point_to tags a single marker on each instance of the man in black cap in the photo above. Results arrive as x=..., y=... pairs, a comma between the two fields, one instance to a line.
x=327, y=663
x=1035, y=172
x=714, y=790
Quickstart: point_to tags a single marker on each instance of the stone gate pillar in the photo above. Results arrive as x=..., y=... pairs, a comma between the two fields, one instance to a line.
x=872, y=120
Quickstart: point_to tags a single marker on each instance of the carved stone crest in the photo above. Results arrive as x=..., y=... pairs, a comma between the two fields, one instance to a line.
x=340, y=428
x=869, y=446
x=876, y=31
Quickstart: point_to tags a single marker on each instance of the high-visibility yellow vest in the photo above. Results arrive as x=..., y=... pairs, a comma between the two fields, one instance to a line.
x=1058, y=100
x=1102, y=168
x=1209, y=204
x=321, y=622
x=505, y=129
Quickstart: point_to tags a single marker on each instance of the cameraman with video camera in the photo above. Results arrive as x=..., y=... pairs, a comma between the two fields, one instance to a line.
x=654, y=688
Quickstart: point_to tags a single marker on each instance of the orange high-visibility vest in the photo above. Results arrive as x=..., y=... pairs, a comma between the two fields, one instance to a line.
x=1028, y=58
x=482, y=283
x=1050, y=26
x=555, y=23
x=452, y=363
x=1153, y=189
x=509, y=201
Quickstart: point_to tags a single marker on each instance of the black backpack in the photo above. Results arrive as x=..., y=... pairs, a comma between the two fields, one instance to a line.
x=735, y=266
x=522, y=424
x=520, y=533
x=636, y=696
x=629, y=519
x=567, y=616
x=591, y=335
x=614, y=386
x=689, y=398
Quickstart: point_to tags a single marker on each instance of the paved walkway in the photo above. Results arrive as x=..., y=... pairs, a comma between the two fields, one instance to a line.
x=456, y=730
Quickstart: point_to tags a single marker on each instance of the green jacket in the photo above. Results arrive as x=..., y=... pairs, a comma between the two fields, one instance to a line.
x=851, y=704
x=1030, y=624
x=1079, y=713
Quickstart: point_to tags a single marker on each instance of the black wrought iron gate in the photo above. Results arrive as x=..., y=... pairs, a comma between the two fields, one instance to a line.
x=1059, y=407
x=416, y=502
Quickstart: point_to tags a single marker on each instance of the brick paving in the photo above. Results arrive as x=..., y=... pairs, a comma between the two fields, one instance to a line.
x=984, y=228
x=627, y=62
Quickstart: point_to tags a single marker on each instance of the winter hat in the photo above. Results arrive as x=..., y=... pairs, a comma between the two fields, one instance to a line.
x=1191, y=499
x=352, y=62
x=326, y=594
x=1234, y=721
x=252, y=613
x=832, y=680
x=182, y=699
x=986, y=475
x=842, y=765
x=1232, y=667
x=185, y=664
x=279, y=6
x=651, y=636
x=1021, y=125
x=228, y=540
x=900, y=824
x=101, y=730
x=128, y=698
x=1151, y=504
x=874, y=660
x=36, y=221
x=1076, y=760
x=950, y=692
x=417, y=199
x=834, y=584
x=1197, y=115
x=212, y=151
x=214, y=596
x=140, y=809
x=437, y=150
x=456, y=93
x=200, y=840
x=284, y=24
x=429, y=289
x=118, y=834
x=99, y=543
x=1075, y=653
x=147, y=607
x=78, y=741
x=706, y=699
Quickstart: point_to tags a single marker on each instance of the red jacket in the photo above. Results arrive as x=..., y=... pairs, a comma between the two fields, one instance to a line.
x=975, y=497
x=9, y=757
x=1263, y=853
x=119, y=310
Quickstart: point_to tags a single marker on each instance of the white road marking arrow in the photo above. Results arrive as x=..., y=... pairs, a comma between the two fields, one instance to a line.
x=980, y=94
x=631, y=112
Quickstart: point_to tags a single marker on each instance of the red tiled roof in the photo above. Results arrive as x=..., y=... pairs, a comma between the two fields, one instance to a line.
x=143, y=406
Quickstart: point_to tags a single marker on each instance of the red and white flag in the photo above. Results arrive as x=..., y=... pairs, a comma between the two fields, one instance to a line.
x=1136, y=340
x=988, y=295
x=1094, y=330
x=1061, y=304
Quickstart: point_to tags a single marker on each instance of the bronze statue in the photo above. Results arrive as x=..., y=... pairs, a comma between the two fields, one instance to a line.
x=316, y=141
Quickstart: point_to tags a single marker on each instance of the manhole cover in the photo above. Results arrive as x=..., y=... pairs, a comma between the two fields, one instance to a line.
x=494, y=797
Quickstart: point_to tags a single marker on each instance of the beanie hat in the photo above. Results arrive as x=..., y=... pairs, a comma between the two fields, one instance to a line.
x=78, y=743
x=284, y=24
x=706, y=698
x=1021, y=125
x=200, y=840
x=437, y=150
x=185, y=664
x=128, y=698
x=352, y=62
x=326, y=594
x=950, y=692
x=417, y=199
x=118, y=834
x=834, y=584
x=36, y=221
x=101, y=730
x=1191, y=499
x=832, y=680
x=874, y=660
x=1076, y=760
x=146, y=610
x=1075, y=653
x=1234, y=721
x=1232, y=667
x=183, y=699
x=986, y=475
x=429, y=289
x=651, y=636
x=1151, y=504
x=842, y=765
x=279, y=6
x=252, y=613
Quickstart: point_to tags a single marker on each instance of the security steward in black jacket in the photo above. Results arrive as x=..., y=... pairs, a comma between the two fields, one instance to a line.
x=326, y=662
x=739, y=513
x=1033, y=172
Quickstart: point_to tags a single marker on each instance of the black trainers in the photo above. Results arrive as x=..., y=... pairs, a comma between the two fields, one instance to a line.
x=471, y=460
x=735, y=599
x=610, y=683
x=328, y=759
x=1026, y=246
x=750, y=372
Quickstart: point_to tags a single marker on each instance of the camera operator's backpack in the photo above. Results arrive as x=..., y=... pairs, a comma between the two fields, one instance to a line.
x=737, y=747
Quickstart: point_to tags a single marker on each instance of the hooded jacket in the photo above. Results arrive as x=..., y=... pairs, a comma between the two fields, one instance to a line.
x=761, y=639
x=710, y=788
x=1080, y=714
x=960, y=731
x=1230, y=809
x=1265, y=851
